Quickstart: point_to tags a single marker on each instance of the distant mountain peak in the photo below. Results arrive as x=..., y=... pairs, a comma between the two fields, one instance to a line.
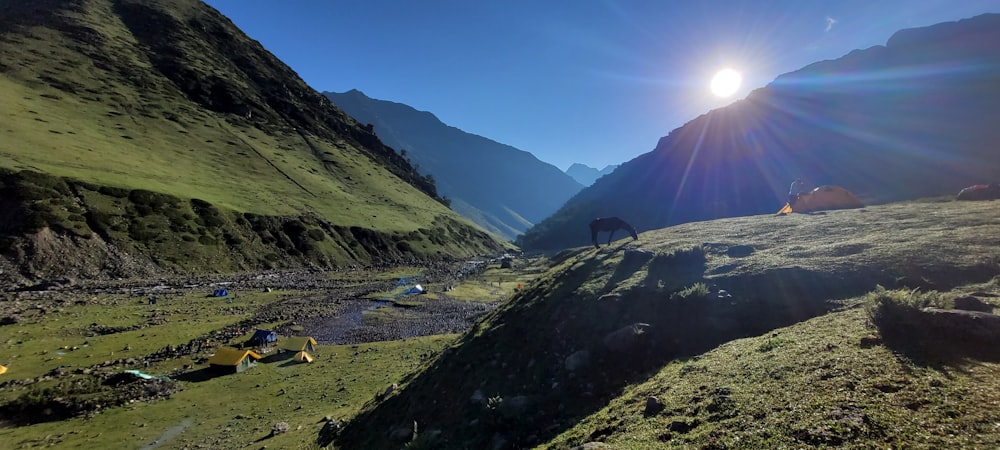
x=587, y=175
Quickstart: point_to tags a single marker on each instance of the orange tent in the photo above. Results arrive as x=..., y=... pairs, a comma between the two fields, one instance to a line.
x=823, y=198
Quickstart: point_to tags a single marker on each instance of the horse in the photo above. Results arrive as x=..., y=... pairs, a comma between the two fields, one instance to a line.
x=610, y=224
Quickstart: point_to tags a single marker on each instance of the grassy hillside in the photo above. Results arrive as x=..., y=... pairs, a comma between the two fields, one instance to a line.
x=61, y=227
x=826, y=382
x=171, y=97
x=573, y=357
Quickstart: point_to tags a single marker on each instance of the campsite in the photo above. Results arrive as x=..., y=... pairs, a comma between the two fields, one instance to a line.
x=204, y=247
x=67, y=340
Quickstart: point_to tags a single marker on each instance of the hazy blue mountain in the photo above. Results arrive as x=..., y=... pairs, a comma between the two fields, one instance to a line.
x=914, y=118
x=587, y=175
x=503, y=189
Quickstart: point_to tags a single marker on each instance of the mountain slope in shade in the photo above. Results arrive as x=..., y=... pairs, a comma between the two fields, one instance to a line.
x=169, y=99
x=501, y=188
x=587, y=175
x=911, y=119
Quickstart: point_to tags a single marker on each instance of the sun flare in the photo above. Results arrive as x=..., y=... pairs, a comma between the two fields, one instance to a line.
x=726, y=82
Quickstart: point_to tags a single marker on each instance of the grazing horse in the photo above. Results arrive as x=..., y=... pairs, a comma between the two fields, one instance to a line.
x=610, y=224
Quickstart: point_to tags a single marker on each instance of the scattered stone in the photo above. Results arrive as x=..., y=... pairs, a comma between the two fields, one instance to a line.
x=477, y=396
x=401, y=434
x=592, y=446
x=682, y=426
x=279, y=428
x=499, y=442
x=389, y=390
x=628, y=338
x=870, y=341
x=514, y=406
x=653, y=406
x=578, y=360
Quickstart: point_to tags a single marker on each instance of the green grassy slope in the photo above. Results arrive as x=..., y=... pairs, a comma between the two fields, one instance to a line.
x=550, y=357
x=170, y=97
x=825, y=382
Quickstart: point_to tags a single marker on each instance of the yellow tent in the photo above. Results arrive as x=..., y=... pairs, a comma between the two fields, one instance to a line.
x=232, y=359
x=299, y=344
x=3, y=369
x=823, y=198
x=303, y=357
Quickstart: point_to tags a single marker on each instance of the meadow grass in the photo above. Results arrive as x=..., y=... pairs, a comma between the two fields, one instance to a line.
x=817, y=383
x=230, y=411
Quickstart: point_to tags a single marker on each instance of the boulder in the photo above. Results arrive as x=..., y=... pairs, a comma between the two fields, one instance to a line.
x=653, y=406
x=477, y=397
x=514, y=406
x=279, y=428
x=578, y=360
x=628, y=338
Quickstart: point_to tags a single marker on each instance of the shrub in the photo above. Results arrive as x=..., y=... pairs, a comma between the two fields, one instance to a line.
x=36, y=220
x=101, y=221
x=140, y=233
x=695, y=291
x=143, y=210
x=206, y=240
x=155, y=200
x=316, y=234
x=37, y=186
x=232, y=240
x=86, y=185
x=897, y=312
x=113, y=191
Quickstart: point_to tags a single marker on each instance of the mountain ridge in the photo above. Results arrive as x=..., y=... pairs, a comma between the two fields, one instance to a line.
x=841, y=122
x=500, y=187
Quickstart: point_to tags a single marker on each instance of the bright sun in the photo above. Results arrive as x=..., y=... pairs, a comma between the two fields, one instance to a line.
x=726, y=82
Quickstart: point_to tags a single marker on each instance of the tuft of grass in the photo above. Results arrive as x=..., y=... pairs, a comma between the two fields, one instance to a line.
x=897, y=312
x=695, y=291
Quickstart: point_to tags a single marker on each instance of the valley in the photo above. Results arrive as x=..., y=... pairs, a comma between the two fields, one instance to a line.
x=75, y=337
x=200, y=250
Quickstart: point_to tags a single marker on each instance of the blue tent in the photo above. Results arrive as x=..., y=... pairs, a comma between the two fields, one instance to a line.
x=263, y=337
x=221, y=292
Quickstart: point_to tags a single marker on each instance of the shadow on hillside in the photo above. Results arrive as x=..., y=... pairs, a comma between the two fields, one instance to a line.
x=513, y=381
x=277, y=356
x=197, y=376
x=941, y=353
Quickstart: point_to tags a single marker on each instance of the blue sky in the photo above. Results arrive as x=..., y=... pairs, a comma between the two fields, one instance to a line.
x=591, y=81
